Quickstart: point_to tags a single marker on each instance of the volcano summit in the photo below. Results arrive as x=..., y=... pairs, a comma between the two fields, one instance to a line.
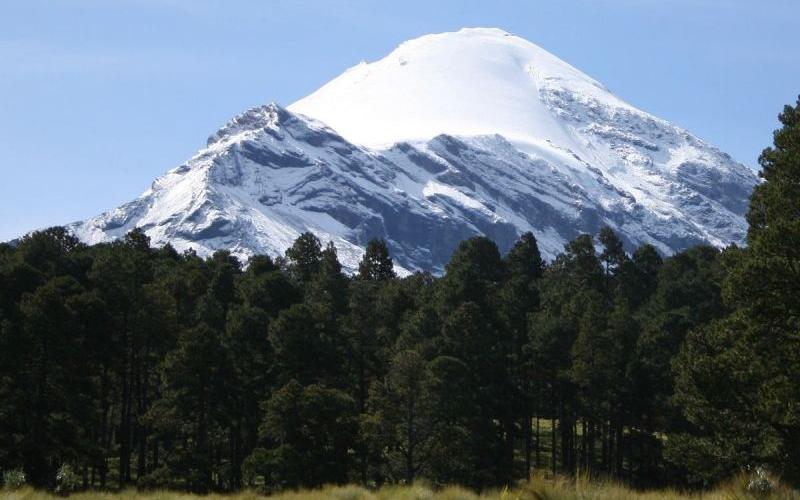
x=449, y=136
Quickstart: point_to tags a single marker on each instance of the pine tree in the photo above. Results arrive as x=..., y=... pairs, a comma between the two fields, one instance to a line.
x=269, y=289
x=638, y=276
x=309, y=432
x=304, y=257
x=613, y=258
x=253, y=365
x=304, y=350
x=746, y=366
x=401, y=422
x=519, y=299
x=474, y=273
x=571, y=288
x=327, y=291
x=193, y=414
x=46, y=425
x=376, y=265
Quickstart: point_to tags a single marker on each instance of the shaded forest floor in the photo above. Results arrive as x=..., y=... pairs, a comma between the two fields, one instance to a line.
x=537, y=489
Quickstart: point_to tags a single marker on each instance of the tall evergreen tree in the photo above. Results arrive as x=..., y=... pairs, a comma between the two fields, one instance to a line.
x=519, y=299
x=376, y=264
x=48, y=386
x=401, y=421
x=746, y=366
x=309, y=432
x=305, y=257
x=192, y=414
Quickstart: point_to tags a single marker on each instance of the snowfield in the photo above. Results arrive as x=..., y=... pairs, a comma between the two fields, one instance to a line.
x=449, y=136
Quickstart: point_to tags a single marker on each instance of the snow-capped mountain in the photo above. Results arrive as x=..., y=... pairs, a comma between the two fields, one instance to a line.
x=449, y=136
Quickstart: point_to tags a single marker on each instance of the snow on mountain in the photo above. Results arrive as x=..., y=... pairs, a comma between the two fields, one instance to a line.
x=473, y=82
x=449, y=136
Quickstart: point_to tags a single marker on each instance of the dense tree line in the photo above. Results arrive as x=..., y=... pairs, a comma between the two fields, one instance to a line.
x=142, y=366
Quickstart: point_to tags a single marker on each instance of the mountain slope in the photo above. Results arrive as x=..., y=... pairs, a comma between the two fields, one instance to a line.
x=449, y=136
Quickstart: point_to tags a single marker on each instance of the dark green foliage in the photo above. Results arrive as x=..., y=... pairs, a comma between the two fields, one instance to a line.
x=738, y=378
x=144, y=366
x=137, y=366
x=311, y=430
x=302, y=349
x=638, y=277
x=473, y=274
x=687, y=296
x=401, y=423
x=327, y=293
x=193, y=410
x=377, y=263
x=304, y=257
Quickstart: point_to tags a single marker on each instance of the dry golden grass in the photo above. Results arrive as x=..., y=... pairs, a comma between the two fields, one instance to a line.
x=540, y=488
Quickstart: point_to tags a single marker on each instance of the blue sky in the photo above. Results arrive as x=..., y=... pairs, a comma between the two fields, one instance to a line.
x=98, y=97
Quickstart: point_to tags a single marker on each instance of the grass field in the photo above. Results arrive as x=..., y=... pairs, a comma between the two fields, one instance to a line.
x=537, y=489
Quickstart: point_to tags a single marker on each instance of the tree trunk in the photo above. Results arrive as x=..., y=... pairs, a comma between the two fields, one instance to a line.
x=142, y=404
x=362, y=403
x=538, y=447
x=510, y=434
x=584, y=446
x=553, y=445
x=590, y=442
x=604, y=445
x=410, y=441
x=104, y=434
x=619, y=433
x=202, y=443
x=154, y=447
x=125, y=416
x=528, y=423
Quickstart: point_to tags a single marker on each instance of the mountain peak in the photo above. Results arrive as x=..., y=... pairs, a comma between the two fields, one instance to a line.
x=474, y=81
x=268, y=115
x=484, y=30
x=449, y=136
